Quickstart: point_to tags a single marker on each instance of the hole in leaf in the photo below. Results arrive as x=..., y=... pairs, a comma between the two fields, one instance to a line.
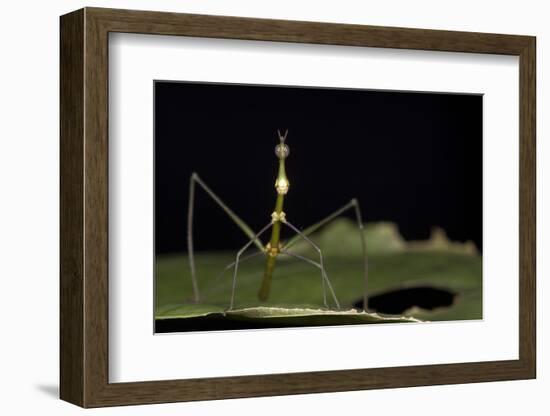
x=398, y=301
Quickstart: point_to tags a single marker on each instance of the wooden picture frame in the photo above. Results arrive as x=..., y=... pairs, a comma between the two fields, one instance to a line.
x=84, y=207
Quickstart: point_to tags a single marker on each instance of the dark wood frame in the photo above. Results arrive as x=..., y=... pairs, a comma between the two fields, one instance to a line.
x=84, y=213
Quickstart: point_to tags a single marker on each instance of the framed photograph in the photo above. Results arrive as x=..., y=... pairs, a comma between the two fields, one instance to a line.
x=255, y=207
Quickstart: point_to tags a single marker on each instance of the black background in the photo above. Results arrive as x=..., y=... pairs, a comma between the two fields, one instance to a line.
x=411, y=158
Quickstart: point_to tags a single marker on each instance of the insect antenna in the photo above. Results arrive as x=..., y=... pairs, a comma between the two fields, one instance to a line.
x=281, y=137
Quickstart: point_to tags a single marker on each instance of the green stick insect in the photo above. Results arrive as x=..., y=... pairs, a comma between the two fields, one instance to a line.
x=275, y=247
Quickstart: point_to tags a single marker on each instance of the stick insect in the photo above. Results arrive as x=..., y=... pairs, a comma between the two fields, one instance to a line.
x=275, y=247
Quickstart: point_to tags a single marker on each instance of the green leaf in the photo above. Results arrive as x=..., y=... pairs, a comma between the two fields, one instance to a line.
x=277, y=317
x=341, y=238
x=296, y=292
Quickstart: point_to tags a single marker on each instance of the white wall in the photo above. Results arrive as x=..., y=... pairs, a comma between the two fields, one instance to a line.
x=29, y=206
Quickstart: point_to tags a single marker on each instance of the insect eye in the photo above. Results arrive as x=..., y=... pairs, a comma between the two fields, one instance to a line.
x=282, y=151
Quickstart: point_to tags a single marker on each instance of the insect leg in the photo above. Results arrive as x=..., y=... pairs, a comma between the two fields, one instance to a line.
x=228, y=267
x=195, y=179
x=364, y=251
x=321, y=265
x=239, y=254
x=353, y=204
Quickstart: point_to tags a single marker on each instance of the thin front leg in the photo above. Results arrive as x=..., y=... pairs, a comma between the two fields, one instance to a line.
x=239, y=254
x=324, y=277
x=190, y=213
x=353, y=204
x=228, y=267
